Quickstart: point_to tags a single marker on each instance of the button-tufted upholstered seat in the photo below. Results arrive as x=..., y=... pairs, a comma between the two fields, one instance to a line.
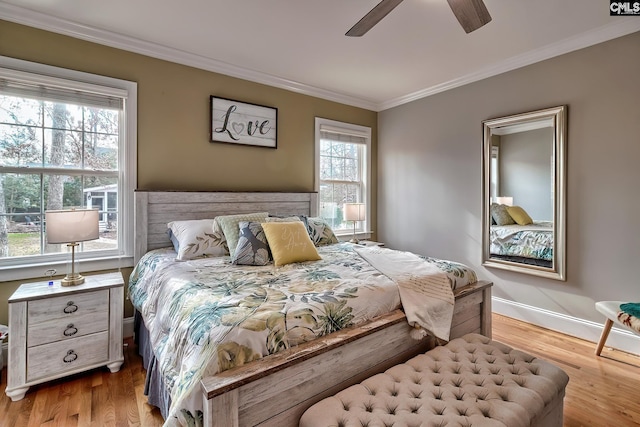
x=471, y=381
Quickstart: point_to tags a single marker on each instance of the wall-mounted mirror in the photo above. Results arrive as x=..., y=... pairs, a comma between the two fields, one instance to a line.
x=523, y=224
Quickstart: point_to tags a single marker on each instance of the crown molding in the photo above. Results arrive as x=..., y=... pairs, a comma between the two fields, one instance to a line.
x=41, y=21
x=589, y=38
x=19, y=15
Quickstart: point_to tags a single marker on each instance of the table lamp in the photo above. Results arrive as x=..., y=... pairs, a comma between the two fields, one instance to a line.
x=70, y=227
x=354, y=212
x=504, y=200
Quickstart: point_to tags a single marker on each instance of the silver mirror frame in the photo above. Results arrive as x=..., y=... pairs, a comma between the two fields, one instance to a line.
x=559, y=117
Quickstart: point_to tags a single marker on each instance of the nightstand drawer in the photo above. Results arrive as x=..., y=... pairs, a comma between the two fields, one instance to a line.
x=65, y=329
x=67, y=307
x=68, y=355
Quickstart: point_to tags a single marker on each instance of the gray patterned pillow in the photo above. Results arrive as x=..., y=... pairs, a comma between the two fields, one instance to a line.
x=500, y=215
x=320, y=232
x=229, y=225
x=252, y=248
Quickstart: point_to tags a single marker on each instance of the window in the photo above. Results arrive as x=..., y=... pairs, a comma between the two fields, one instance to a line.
x=342, y=172
x=67, y=140
x=495, y=153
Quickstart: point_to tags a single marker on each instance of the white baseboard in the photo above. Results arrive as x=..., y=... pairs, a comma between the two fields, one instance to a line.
x=619, y=339
x=127, y=331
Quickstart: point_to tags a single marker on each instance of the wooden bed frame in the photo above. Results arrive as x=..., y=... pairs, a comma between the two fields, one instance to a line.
x=277, y=389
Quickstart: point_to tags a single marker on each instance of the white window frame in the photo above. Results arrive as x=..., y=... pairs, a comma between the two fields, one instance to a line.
x=495, y=171
x=363, y=231
x=35, y=266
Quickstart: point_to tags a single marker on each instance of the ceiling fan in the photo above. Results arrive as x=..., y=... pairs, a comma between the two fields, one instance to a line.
x=472, y=14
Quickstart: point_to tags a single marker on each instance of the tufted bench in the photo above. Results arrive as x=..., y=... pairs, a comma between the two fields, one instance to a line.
x=471, y=381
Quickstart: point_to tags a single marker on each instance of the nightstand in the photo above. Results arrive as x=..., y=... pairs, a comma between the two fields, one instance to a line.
x=55, y=331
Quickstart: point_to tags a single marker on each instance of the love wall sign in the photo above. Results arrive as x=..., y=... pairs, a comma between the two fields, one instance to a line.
x=243, y=123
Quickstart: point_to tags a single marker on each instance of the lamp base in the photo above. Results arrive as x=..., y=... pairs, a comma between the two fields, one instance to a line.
x=72, y=280
x=354, y=240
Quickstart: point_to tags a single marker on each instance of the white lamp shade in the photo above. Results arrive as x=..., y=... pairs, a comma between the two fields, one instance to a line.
x=355, y=211
x=70, y=226
x=504, y=201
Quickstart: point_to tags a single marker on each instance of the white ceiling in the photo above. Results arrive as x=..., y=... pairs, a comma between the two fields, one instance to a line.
x=417, y=50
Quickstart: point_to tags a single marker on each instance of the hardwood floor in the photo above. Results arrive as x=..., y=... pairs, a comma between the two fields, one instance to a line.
x=95, y=398
x=601, y=391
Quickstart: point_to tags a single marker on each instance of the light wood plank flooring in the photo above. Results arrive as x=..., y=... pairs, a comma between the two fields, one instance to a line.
x=601, y=391
x=95, y=398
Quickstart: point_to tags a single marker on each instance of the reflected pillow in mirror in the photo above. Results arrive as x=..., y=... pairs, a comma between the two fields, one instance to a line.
x=500, y=215
x=519, y=215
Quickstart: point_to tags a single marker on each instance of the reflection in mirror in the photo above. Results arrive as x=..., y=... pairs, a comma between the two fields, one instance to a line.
x=523, y=193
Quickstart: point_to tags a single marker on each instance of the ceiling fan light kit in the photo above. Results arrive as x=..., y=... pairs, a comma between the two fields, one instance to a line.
x=471, y=14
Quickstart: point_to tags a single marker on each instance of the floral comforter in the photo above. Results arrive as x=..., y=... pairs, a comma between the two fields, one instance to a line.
x=208, y=315
x=528, y=241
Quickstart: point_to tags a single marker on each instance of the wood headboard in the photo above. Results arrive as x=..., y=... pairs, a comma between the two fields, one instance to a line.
x=154, y=209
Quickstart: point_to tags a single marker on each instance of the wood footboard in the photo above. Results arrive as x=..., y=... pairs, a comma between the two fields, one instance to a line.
x=276, y=391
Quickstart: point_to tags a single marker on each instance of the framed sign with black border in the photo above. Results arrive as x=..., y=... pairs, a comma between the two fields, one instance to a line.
x=243, y=123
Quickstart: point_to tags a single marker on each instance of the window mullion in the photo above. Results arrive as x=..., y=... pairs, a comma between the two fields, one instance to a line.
x=58, y=171
x=338, y=181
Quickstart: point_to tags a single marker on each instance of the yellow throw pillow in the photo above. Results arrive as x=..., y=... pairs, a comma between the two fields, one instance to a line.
x=519, y=215
x=289, y=242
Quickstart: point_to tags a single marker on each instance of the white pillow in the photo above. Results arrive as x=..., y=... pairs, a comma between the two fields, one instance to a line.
x=196, y=238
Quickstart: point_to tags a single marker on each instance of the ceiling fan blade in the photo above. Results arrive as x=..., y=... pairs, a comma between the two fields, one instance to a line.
x=381, y=10
x=472, y=14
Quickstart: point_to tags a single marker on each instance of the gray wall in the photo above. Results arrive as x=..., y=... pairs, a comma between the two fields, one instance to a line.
x=525, y=171
x=430, y=174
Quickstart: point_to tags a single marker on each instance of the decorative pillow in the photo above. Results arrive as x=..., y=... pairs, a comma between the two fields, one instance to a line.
x=289, y=242
x=500, y=215
x=519, y=215
x=252, y=248
x=282, y=219
x=174, y=240
x=218, y=234
x=229, y=225
x=320, y=232
x=195, y=238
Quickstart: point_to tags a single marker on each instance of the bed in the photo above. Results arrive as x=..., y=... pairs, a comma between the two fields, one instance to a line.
x=275, y=388
x=529, y=244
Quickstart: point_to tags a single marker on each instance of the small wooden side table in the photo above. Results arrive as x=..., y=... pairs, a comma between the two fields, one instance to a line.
x=56, y=331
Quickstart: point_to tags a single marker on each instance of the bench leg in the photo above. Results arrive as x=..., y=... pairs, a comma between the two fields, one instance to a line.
x=605, y=333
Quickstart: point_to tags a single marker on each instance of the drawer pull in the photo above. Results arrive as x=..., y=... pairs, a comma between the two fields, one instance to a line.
x=71, y=330
x=70, y=308
x=70, y=357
